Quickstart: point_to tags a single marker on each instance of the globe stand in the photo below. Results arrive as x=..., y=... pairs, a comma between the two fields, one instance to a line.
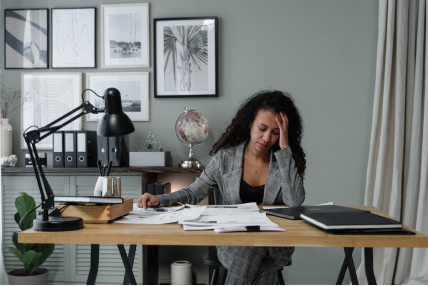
x=191, y=162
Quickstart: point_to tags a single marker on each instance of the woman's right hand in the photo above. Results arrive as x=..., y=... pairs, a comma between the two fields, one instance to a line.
x=148, y=201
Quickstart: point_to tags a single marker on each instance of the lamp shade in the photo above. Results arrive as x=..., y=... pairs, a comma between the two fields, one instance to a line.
x=114, y=122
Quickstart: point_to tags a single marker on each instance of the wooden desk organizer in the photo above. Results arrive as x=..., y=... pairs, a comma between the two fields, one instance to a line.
x=98, y=214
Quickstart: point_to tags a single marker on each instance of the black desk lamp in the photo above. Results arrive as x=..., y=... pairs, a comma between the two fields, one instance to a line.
x=113, y=123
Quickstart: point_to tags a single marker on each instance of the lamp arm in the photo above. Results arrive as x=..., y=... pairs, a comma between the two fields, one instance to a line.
x=33, y=137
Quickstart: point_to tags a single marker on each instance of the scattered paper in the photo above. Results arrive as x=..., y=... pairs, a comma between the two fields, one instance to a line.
x=146, y=217
x=227, y=209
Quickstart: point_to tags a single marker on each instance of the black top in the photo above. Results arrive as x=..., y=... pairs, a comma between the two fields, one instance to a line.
x=251, y=194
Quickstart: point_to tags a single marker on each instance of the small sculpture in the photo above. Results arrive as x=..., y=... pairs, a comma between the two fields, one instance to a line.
x=9, y=161
x=151, y=142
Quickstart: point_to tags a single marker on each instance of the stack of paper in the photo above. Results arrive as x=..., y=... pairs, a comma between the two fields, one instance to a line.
x=221, y=218
x=151, y=216
x=227, y=218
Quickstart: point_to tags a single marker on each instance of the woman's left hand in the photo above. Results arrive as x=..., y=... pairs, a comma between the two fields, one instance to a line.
x=283, y=130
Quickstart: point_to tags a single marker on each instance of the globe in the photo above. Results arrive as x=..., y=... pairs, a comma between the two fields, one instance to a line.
x=191, y=129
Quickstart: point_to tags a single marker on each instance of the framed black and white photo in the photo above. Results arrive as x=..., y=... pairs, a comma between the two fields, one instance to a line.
x=73, y=38
x=26, y=34
x=45, y=98
x=125, y=35
x=133, y=88
x=185, y=51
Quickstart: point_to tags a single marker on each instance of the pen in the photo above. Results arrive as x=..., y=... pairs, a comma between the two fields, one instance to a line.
x=99, y=167
x=109, y=168
x=158, y=209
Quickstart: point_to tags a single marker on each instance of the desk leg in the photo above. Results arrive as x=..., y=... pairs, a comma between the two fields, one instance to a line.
x=345, y=265
x=131, y=257
x=368, y=262
x=93, y=271
x=128, y=267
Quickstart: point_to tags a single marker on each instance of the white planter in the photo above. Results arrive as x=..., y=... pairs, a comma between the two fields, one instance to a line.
x=6, y=138
x=19, y=277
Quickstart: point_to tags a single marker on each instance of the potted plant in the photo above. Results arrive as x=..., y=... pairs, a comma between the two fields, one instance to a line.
x=31, y=255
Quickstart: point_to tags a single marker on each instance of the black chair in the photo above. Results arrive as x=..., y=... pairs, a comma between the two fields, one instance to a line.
x=211, y=259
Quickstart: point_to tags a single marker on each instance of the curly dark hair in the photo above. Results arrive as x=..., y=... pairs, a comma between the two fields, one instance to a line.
x=275, y=101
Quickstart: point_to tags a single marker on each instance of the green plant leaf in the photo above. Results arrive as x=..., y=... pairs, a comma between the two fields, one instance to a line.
x=15, y=252
x=30, y=260
x=23, y=204
x=23, y=247
x=45, y=249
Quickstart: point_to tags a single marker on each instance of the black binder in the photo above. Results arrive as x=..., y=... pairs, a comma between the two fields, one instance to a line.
x=58, y=149
x=102, y=143
x=86, y=148
x=70, y=149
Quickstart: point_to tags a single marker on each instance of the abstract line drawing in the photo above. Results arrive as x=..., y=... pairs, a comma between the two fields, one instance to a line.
x=26, y=38
x=73, y=38
x=48, y=96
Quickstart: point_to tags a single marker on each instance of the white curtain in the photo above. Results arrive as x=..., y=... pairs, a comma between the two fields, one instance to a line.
x=398, y=161
x=3, y=278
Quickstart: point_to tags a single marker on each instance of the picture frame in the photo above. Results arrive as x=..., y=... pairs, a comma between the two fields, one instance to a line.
x=26, y=33
x=73, y=41
x=199, y=77
x=134, y=89
x=45, y=98
x=125, y=35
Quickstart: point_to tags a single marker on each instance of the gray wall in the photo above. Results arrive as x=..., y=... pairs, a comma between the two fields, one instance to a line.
x=322, y=52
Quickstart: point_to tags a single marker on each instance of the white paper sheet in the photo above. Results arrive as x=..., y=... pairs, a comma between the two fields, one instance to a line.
x=230, y=220
x=229, y=209
x=146, y=217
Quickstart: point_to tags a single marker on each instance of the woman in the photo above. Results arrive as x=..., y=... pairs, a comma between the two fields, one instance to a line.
x=258, y=159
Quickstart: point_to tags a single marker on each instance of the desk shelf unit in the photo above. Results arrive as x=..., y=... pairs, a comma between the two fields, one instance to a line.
x=70, y=262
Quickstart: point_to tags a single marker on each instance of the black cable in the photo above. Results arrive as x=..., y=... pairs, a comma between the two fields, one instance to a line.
x=20, y=221
x=30, y=127
x=83, y=100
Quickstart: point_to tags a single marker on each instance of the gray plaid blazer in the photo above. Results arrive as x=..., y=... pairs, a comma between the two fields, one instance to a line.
x=283, y=184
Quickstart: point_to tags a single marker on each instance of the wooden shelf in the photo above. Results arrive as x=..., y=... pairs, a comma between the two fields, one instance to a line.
x=94, y=170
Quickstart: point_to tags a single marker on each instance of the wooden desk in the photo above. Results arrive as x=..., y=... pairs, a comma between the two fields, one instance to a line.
x=298, y=233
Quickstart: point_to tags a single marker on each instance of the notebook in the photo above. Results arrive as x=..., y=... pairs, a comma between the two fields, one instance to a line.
x=88, y=199
x=350, y=220
x=294, y=212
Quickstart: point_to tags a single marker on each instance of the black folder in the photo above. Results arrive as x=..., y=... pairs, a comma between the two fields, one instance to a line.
x=58, y=149
x=295, y=212
x=70, y=149
x=350, y=220
x=86, y=148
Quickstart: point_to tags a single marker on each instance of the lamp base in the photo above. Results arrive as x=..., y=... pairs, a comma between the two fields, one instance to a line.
x=58, y=223
x=190, y=164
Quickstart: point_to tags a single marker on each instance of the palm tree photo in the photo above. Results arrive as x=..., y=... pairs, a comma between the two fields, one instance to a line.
x=185, y=46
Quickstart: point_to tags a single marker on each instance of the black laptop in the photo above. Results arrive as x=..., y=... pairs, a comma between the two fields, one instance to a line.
x=294, y=212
